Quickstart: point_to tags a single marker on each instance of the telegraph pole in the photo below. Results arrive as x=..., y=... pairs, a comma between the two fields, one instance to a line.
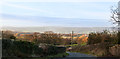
x=72, y=34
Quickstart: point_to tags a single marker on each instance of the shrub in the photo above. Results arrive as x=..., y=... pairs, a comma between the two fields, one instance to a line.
x=19, y=48
x=53, y=50
x=105, y=36
x=27, y=49
x=99, y=49
x=115, y=50
x=119, y=37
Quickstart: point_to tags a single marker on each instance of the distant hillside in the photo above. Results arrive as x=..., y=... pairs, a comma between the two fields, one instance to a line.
x=58, y=29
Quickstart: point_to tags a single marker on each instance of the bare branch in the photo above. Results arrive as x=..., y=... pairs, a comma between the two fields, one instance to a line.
x=114, y=15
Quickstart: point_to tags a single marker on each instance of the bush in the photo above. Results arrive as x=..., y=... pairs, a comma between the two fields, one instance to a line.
x=118, y=37
x=115, y=50
x=100, y=44
x=53, y=50
x=105, y=36
x=19, y=48
x=37, y=51
x=99, y=49
x=24, y=47
x=28, y=49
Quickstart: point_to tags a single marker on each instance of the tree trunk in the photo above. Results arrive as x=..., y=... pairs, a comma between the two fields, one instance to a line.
x=119, y=33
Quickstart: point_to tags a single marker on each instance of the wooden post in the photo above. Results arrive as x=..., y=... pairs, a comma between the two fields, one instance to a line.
x=72, y=34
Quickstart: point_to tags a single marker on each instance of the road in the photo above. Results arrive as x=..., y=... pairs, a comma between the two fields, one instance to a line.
x=74, y=55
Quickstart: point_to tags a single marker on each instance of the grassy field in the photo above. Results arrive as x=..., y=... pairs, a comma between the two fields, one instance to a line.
x=76, y=44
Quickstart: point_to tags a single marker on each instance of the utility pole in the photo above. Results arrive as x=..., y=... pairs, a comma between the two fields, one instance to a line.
x=72, y=34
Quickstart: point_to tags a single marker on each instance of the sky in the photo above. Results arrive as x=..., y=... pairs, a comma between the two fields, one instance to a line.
x=67, y=13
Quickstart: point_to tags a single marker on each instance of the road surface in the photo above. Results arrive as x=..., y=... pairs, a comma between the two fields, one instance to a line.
x=74, y=55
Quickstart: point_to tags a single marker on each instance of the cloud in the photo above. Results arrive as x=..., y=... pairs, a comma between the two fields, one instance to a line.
x=48, y=21
x=65, y=10
x=62, y=13
x=97, y=15
x=19, y=22
x=61, y=0
x=9, y=4
x=23, y=7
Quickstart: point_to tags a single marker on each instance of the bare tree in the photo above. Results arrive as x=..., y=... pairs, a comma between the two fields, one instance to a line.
x=115, y=17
